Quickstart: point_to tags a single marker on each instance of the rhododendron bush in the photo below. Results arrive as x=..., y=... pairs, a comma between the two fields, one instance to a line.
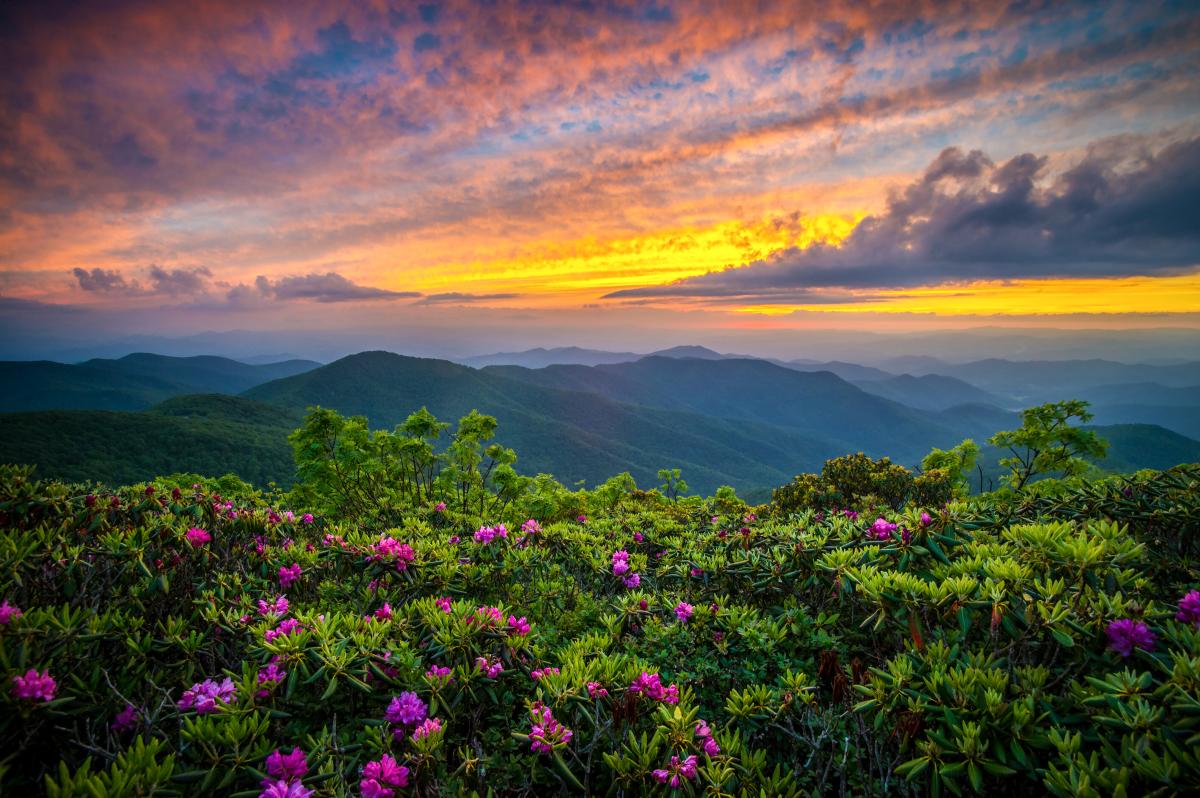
x=201, y=638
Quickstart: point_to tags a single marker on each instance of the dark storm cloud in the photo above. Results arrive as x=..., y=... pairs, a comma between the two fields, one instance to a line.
x=969, y=218
x=176, y=282
x=102, y=280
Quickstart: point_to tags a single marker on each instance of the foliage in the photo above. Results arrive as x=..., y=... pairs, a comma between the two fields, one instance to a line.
x=1046, y=443
x=957, y=462
x=858, y=481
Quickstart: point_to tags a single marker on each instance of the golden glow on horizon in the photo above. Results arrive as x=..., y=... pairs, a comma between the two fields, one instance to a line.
x=1177, y=294
x=550, y=272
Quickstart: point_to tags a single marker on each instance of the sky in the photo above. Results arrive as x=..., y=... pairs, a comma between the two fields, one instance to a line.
x=467, y=177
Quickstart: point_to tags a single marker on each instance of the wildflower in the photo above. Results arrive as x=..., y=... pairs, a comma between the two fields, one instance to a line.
x=204, y=696
x=632, y=581
x=1189, y=609
x=582, y=518
x=1126, y=634
x=287, y=576
x=427, y=727
x=650, y=685
x=407, y=709
x=9, y=613
x=438, y=673
x=697, y=572
x=384, y=613
x=392, y=550
x=683, y=611
x=638, y=537
x=197, y=537
x=379, y=778
x=882, y=529
x=284, y=789
x=486, y=534
x=276, y=608
x=126, y=719
x=486, y=617
x=718, y=636
x=443, y=603
x=287, y=767
x=620, y=562
x=531, y=527
x=851, y=514
x=642, y=605
x=34, y=686
x=490, y=666
x=454, y=539
x=926, y=518
x=595, y=690
x=290, y=516
x=440, y=508
x=540, y=672
x=905, y=535
x=269, y=678
x=704, y=733
x=285, y=628
x=546, y=733
x=676, y=772
x=518, y=626
x=307, y=518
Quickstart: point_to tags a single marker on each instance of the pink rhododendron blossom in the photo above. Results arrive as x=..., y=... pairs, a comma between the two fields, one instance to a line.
x=596, y=690
x=638, y=537
x=1189, y=609
x=389, y=549
x=683, y=611
x=546, y=733
x=288, y=576
x=427, y=727
x=381, y=777
x=486, y=617
x=307, y=518
x=34, y=686
x=675, y=773
x=650, y=685
x=287, y=627
x=1126, y=634
x=439, y=673
x=407, y=709
x=882, y=529
x=531, y=527
x=540, y=672
x=454, y=539
x=9, y=613
x=926, y=518
x=287, y=767
x=198, y=537
x=443, y=603
x=704, y=734
x=276, y=608
x=440, y=507
x=284, y=789
x=632, y=580
x=205, y=696
x=490, y=666
x=126, y=719
x=582, y=519
x=269, y=678
x=486, y=534
x=384, y=613
x=620, y=562
x=518, y=626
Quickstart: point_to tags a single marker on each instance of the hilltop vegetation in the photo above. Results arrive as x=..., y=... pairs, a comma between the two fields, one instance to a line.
x=425, y=621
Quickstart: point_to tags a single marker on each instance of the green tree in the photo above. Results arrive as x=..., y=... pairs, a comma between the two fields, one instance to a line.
x=1047, y=443
x=956, y=462
x=673, y=485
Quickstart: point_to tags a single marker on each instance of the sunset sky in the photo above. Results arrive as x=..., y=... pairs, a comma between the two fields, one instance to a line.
x=517, y=173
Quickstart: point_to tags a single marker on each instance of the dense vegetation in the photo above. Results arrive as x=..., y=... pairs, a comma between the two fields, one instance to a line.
x=416, y=617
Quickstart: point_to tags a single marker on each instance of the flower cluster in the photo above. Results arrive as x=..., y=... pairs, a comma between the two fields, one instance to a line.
x=126, y=719
x=486, y=617
x=486, y=534
x=288, y=576
x=883, y=529
x=674, y=774
x=286, y=767
x=269, y=678
x=546, y=733
x=406, y=709
x=198, y=537
x=531, y=527
x=381, y=778
x=34, y=686
x=205, y=696
x=1189, y=609
x=391, y=550
x=540, y=672
x=704, y=735
x=1127, y=634
x=621, y=568
x=276, y=608
x=490, y=666
x=443, y=604
x=287, y=627
x=427, y=727
x=438, y=673
x=651, y=686
x=384, y=613
x=596, y=690
x=683, y=611
x=9, y=613
x=518, y=626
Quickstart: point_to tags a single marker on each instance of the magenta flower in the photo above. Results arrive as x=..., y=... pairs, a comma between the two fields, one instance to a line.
x=851, y=514
x=286, y=627
x=683, y=611
x=287, y=576
x=704, y=734
x=441, y=507
x=276, y=608
x=427, y=727
x=439, y=673
x=269, y=678
x=486, y=617
x=381, y=777
x=518, y=626
x=307, y=518
x=582, y=518
x=287, y=767
x=1189, y=609
x=632, y=581
x=454, y=539
x=205, y=696
x=596, y=690
x=384, y=613
x=926, y=518
x=126, y=719
x=34, y=686
x=650, y=685
x=531, y=527
x=620, y=562
x=198, y=537
x=675, y=773
x=443, y=603
x=486, y=534
x=540, y=672
x=9, y=613
x=407, y=709
x=1126, y=634
x=284, y=789
x=391, y=550
x=882, y=529
x=490, y=666
x=546, y=733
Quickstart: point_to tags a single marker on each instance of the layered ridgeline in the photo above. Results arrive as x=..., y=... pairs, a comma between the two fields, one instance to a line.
x=749, y=423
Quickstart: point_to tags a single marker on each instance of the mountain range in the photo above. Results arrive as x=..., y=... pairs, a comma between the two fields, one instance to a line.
x=723, y=419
